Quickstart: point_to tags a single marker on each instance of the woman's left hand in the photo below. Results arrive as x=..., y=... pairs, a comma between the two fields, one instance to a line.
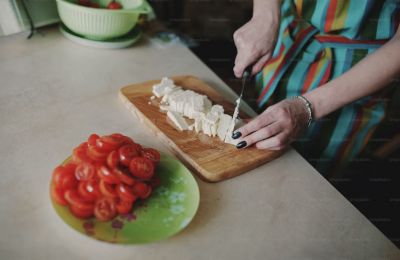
x=276, y=127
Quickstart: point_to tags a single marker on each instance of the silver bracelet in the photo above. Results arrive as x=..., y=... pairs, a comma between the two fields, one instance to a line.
x=308, y=107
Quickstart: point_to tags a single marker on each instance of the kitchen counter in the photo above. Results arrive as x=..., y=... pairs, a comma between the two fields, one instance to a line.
x=54, y=93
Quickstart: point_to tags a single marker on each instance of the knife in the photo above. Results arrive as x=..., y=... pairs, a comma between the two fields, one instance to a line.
x=245, y=78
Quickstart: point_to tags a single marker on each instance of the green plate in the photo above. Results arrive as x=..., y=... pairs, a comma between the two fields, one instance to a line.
x=117, y=43
x=169, y=209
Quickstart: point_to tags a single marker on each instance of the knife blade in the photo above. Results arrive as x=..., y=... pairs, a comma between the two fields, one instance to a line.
x=245, y=77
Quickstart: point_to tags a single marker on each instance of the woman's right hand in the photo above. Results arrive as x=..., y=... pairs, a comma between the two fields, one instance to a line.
x=255, y=41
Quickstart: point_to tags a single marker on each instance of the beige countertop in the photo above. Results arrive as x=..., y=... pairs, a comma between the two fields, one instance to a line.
x=54, y=93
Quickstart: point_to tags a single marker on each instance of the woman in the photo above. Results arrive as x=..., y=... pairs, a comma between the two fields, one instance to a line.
x=336, y=58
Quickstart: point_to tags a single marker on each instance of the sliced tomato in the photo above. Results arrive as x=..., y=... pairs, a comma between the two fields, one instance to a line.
x=74, y=199
x=69, y=182
x=107, y=175
x=58, y=172
x=124, y=207
x=142, y=168
x=80, y=213
x=113, y=159
x=89, y=190
x=85, y=171
x=107, y=189
x=142, y=190
x=79, y=154
x=127, y=152
x=151, y=154
x=124, y=176
x=57, y=194
x=63, y=177
x=124, y=139
x=92, y=139
x=108, y=143
x=125, y=193
x=104, y=209
x=96, y=155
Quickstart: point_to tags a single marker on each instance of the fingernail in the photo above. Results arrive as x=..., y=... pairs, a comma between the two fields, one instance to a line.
x=241, y=144
x=236, y=135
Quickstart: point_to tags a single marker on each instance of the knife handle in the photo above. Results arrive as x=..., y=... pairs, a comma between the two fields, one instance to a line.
x=247, y=71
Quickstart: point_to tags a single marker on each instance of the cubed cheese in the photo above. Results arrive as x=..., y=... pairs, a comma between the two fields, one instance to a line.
x=165, y=86
x=233, y=122
x=178, y=120
x=223, y=126
x=208, y=118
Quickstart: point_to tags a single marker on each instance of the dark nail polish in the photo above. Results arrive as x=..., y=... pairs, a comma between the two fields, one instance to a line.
x=241, y=144
x=236, y=135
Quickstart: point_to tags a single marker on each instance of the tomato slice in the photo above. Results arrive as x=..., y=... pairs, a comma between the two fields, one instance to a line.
x=124, y=139
x=63, y=177
x=113, y=159
x=107, y=175
x=85, y=171
x=69, y=182
x=92, y=139
x=151, y=154
x=104, y=209
x=123, y=176
x=89, y=190
x=142, y=190
x=127, y=152
x=57, y=194
x=58, y=172
x=125, y=193
x=73, y=198
x=107, y=189
x=108, y=143
x=79, y=154
x=142, y=168
x=80, y=213
x=124, y=207
x=96, y=155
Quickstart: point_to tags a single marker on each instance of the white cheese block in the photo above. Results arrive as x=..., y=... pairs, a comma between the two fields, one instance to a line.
x=230, y=140
x=198, y=123
x=209, y=119
x=223, y=126
x=172, y=92
x=206, y=128
x=214, y=130
x=217, y=110
x=165, y=86
x=178, y=120
x=233, y=122
x=164, y=108
x=191, y=127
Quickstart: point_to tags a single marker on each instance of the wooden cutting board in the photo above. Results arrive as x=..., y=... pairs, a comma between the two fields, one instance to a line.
x=210, y=158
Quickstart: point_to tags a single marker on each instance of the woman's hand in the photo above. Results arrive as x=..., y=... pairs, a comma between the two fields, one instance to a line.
x=255, y=41
x=276, y=127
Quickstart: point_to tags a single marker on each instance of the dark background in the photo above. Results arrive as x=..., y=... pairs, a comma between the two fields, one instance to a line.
x=372, y=181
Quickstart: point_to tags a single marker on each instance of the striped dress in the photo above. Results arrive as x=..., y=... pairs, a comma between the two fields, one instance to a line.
x=319, y=41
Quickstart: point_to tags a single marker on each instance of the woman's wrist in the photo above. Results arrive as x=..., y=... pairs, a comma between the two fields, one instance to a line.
x=267, y=10
x=323, y=100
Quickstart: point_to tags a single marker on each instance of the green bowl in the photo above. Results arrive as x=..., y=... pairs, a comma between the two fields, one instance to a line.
x=101, y=24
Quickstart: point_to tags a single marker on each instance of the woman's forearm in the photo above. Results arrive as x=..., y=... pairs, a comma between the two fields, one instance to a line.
x=371, y=74
x=263, y=7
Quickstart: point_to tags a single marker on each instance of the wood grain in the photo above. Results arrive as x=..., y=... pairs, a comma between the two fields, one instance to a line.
x=210, y=158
